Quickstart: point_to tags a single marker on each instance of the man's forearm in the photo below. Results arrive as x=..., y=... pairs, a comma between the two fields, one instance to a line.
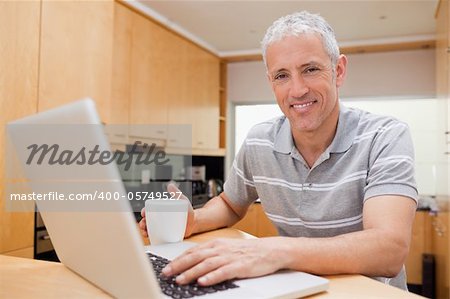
x=369, y=252
x=215, y=214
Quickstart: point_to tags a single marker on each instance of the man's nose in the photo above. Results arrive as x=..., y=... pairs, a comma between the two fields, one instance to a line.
x=298, y=87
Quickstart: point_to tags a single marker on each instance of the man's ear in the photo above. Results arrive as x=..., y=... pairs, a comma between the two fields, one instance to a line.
x=341, y=70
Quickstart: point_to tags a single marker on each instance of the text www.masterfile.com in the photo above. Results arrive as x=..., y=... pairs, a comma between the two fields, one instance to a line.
x=96, y=195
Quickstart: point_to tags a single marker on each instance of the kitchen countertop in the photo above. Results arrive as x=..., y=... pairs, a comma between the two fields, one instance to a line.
x=28, y=278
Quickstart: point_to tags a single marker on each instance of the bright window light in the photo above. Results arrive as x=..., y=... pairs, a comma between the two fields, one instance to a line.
x=249, y=115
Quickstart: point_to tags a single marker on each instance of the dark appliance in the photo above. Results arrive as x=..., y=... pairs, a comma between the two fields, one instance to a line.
x=43, y=247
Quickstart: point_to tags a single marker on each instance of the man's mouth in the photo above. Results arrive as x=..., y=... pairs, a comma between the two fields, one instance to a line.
x=303, y=105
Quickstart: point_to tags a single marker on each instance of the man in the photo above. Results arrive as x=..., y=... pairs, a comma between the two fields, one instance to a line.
x=338, y=183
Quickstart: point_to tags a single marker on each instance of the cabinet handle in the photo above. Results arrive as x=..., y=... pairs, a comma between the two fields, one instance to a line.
x=45, y=237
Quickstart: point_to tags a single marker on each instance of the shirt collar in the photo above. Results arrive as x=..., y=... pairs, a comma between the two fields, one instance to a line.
x=283, y=140
x=346, y=130
x=343, y=140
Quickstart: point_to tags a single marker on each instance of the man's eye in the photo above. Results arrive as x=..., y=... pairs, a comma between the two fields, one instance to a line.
x=280, y=77
x=311, y=70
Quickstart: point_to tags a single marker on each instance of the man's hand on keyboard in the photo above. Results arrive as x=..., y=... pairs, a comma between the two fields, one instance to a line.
x=224, y=259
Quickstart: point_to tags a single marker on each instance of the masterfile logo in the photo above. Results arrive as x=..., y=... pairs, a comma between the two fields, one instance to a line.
x=53, y=155
x=68, y=167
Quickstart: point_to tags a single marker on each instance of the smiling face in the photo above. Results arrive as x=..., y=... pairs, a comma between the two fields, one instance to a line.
x=305, y=83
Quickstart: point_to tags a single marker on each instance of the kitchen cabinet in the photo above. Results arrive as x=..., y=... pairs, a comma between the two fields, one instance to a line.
x=430, y=236
x=223, y=105
x=119, y=108
x=205, y=101
x=76, y=53
x=150, y=79
x=180, y=107
x=199, y=97
x=166, y=80
x=138, y=72
x=256, y=223
x=195, y=100
x=248, y=223
x=440, y=248
x=420, y=244
x=56, y=52
x=19, y=53
x=443, y=60
x=441, y=240
x=121, y=68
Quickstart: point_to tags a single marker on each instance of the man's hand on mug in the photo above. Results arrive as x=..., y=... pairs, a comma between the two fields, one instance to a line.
x=190, y=219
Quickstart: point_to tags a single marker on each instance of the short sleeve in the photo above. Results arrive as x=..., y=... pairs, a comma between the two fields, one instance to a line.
x=239, y=187
x=391, y=163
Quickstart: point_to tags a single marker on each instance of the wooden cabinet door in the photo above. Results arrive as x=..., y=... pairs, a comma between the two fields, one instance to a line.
x=440, y=244
x=19, y=52
x=121, y=67
x=256, y=223
x=180, y=107
x=248, y=224
x=442, y=221
x=206, y=125
x=150, y=79
x=169, y=81
x=442, y=46
x=443, y=52
x=430, y=235
x=76, y=53
x=447, y=133
x=202, y=96
x=420, y=243
x=195, y=96
x=265, y=226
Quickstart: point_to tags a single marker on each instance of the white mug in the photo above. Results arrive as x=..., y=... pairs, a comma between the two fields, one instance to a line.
x=166, y=220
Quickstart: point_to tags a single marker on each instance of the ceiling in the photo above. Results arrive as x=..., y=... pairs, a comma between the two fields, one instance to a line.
x=236, y=27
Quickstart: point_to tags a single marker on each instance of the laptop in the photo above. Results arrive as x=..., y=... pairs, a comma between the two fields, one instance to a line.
x=102, y=243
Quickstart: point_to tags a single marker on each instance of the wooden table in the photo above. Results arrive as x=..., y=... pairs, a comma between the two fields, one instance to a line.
x=27, y=278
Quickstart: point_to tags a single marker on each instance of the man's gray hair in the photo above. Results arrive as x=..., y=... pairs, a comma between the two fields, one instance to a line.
x=299, y=23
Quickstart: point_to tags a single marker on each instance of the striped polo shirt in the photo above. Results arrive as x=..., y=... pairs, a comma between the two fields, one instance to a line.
x=370, y=155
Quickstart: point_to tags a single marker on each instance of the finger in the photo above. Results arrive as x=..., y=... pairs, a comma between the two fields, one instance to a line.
x=143, y=213
x=172, y=188
x=142, y=224
x=187, y=260
x=202, y=246
x=201, y=269
x=217, y=244
x=143, y=227
x=226, y=272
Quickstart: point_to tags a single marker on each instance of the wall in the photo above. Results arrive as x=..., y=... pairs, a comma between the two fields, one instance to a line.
x=402, y=73
x=426, y=120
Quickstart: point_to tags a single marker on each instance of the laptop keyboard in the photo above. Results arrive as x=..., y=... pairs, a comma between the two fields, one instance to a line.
x=176, y=291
